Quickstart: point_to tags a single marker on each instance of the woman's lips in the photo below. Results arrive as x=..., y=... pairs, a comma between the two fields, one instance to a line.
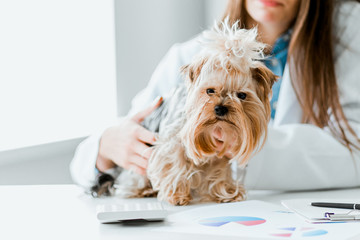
x=270, y=3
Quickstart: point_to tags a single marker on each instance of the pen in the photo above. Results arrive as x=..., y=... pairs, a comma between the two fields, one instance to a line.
x=336, y=205
x=341, y=217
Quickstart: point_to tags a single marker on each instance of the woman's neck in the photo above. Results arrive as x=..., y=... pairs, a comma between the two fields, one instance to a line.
x=268, y=32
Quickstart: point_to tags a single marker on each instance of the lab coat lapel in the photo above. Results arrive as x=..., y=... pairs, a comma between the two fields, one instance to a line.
x=288, y=109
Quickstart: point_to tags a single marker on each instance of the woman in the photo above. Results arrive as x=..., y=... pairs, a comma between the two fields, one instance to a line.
x=313, y=139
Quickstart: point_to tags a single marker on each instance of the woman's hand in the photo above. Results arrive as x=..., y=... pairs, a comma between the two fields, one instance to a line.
x=125, y=145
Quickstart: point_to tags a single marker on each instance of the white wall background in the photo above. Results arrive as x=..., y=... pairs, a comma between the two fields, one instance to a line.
x=58, y=75
x=213, y=10
x=145, y=30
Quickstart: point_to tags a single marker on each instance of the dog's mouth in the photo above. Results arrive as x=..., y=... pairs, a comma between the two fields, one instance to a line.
x=219, y=138
x=218, y=134
x=223, y=138
x=218, y=141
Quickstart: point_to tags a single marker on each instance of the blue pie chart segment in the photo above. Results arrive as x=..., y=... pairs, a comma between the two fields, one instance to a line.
x=243, y=220
x=314, y=233
x=305, y=232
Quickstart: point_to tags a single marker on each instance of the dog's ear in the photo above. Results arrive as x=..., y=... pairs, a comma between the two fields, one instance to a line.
x=187, y=71
x=265, y=79
x=192, y=71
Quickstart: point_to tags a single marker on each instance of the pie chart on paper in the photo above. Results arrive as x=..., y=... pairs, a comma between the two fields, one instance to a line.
x=304, y=232
x=243, y=220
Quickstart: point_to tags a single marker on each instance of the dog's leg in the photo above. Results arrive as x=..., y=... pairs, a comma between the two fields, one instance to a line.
x=133, y=185
x=147, y=191
x=170, y=173
x=181, y=196
x=228, y=193
x=220, y=185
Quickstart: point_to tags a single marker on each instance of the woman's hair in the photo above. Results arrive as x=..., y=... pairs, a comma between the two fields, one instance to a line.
x=311, y=65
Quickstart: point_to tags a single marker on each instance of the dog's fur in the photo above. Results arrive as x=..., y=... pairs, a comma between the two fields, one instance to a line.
x=187, y=158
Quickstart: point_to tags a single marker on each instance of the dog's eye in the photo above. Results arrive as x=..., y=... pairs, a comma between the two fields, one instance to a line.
x=210, y=91
x=241, y=95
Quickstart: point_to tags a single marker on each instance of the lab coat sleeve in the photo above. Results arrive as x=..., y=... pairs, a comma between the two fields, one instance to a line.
x=82, y=166
x=165, y=77
x=303, y=156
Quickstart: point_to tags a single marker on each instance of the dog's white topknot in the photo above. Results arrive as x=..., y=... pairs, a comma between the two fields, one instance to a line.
x=226, y=44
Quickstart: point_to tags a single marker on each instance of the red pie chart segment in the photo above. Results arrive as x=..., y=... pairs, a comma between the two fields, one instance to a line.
x=243, y=220
x=252, y=223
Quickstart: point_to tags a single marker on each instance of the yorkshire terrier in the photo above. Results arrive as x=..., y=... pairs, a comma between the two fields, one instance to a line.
x=223, y=118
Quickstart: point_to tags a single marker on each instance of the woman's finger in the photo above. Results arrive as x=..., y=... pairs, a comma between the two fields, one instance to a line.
x=146, y=136
x=142, y=150
x=140, y=116
x=135, y=168
x=139, y=161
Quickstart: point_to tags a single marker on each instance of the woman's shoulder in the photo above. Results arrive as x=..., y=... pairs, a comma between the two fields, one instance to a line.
x=347, y=52
x=347, y=18
x=346, y=29
x=348, y=7
x=185, y=51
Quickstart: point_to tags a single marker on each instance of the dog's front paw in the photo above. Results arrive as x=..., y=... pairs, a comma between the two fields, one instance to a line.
x=147, y=192
x=179, y=200
x=233, y=194
x=237, y=198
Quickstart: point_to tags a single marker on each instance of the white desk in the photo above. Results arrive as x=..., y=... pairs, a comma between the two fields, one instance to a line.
x=65, y=212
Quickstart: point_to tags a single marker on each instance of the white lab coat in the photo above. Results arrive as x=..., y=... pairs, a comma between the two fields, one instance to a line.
x=295, y=156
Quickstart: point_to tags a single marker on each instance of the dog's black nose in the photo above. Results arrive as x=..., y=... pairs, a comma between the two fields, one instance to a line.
x=220, y=110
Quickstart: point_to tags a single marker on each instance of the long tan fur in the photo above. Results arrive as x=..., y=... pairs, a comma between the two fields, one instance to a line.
x=187, y=159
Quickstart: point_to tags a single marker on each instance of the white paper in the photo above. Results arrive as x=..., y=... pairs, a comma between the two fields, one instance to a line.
x=303, y=208
x=254, y=219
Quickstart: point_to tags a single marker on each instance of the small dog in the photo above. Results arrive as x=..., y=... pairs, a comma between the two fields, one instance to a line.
x=223, y=119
